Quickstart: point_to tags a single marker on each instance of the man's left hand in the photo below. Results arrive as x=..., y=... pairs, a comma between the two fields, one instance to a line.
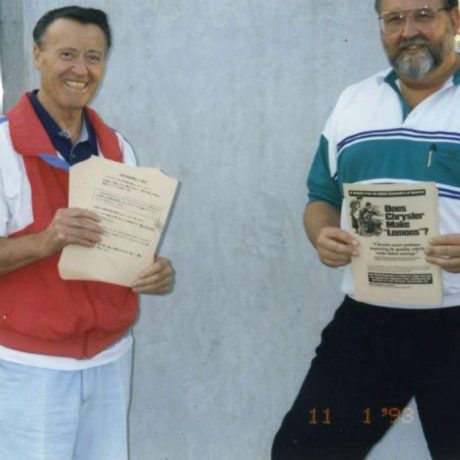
x=157, y=278
x=444, y=251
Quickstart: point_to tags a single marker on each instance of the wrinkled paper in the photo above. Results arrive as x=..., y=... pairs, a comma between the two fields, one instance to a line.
x=133, y=204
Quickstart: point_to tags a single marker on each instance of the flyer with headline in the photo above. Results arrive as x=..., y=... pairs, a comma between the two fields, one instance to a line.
x=393, y=223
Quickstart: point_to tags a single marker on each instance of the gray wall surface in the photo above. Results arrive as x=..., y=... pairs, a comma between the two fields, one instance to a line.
x=230, y=97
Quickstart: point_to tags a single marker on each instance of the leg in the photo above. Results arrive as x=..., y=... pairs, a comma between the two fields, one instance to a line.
x=439, y=410
x=103, y=427
x=38, y=412
x=438, y=389
x=339, y=412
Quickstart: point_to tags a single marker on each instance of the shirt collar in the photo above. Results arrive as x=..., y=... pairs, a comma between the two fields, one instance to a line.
x=53, y=129
x=392, y=79
x=456, y=77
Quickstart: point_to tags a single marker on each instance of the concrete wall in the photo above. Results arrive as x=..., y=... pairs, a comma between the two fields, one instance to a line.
x=230, y=97
x=13, y=50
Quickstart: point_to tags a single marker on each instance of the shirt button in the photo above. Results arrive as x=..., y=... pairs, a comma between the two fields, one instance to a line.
x=4, y=316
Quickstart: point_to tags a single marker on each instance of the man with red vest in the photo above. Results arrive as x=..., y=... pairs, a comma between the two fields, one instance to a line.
x=65, y=346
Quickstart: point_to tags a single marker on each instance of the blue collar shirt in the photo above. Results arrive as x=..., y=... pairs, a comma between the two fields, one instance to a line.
x=85, y=146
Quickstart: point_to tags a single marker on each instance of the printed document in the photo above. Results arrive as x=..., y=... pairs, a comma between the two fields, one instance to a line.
x=133, y=203
x=393, y=223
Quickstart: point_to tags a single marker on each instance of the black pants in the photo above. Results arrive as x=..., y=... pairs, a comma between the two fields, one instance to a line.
x=370, y=362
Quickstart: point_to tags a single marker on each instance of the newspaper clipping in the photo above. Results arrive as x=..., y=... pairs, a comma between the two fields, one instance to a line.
x=393, y=223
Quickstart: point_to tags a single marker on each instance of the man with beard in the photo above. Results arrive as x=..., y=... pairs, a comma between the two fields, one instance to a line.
x=399, y=125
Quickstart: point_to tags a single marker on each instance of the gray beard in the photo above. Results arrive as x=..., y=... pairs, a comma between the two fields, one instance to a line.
x=426, y=60
x=415, y=67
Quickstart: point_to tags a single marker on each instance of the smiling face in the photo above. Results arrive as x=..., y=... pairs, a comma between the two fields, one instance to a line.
x=71, y=62
x=415, y=53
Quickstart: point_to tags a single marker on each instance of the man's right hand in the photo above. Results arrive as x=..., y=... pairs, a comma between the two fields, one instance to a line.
x=335, y=246
x=71, y=226
x=322, y=223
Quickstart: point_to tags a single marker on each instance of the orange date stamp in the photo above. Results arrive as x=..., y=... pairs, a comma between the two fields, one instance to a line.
x=325, y=416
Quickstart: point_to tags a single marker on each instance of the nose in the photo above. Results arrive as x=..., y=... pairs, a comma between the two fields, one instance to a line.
x=409, y=29
x=79, y=66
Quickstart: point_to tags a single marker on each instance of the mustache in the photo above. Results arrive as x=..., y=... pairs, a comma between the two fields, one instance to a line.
x=417, y=41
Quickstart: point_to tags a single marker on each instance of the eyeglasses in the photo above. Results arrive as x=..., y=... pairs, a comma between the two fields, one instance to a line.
x=424, y=19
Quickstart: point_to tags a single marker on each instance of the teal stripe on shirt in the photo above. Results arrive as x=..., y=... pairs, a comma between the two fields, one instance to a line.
x=399, y=159
x=372, y=159
x=320, y=185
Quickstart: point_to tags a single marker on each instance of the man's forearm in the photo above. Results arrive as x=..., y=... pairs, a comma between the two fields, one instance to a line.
x=335, y=246
x=317, y=216
x=69, y=226
x=18, y=252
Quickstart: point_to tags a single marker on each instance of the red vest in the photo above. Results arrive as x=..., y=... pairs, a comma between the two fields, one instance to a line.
x=40, y=312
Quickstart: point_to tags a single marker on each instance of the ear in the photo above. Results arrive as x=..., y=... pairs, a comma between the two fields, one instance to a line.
x=36, y=51
x=455, y=18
